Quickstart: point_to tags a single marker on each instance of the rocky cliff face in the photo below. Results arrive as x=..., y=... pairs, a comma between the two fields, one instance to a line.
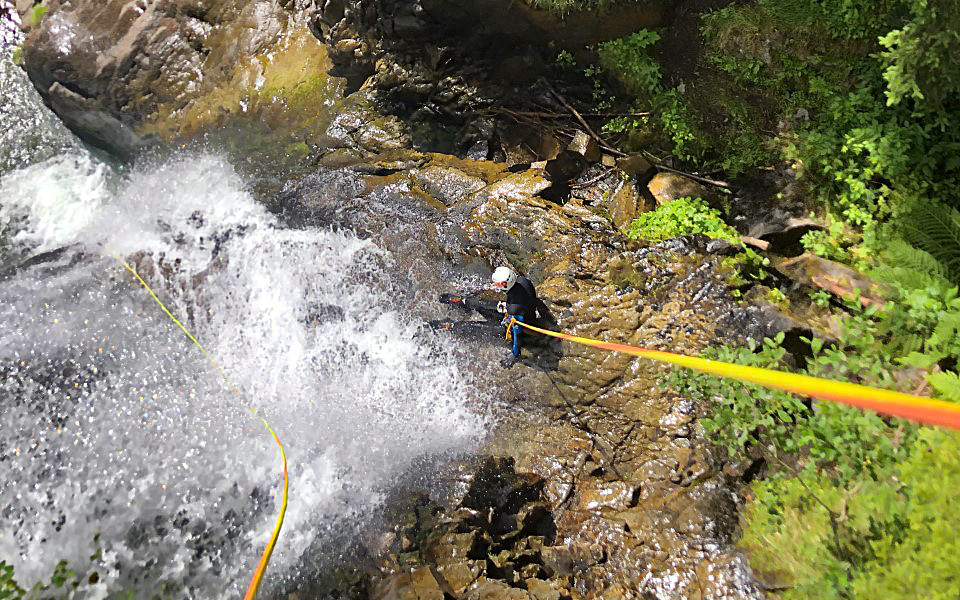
x=449, y=61
x=125, y=73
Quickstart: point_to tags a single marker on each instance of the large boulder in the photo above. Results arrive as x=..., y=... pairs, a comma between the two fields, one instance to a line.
x=122, y=72
x=667, y=187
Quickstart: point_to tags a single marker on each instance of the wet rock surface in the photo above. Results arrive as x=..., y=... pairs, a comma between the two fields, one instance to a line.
x=445, y=61
x=124, y=74
x=597, y=482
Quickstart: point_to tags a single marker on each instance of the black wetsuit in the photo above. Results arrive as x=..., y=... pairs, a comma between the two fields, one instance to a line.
x=522, y=299
x=522, y=305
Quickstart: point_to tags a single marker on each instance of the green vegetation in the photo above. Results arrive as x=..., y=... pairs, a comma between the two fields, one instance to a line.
x=683, y=216
x=63, y=583
x=563, y=7
x=36, y=14
x=686, y=216
x=861, y=99
x=852, y=503
x=629, y=60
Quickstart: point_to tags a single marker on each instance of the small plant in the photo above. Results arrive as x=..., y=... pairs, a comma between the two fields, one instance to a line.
x=775, y=296
x=686, y=216
x=564, y=7
x=565, y=59
x=36, y=14
x=63, y=583
x=678, y=125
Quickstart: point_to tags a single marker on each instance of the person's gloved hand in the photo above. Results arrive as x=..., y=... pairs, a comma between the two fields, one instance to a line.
x=502, y=307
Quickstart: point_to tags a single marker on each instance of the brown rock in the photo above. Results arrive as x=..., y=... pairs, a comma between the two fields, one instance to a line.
x=626, y=204
x=543, y=590
x=447, y=184
x=425, y=585
x=634, y=165
x=567, y=560
x=121, y=73
x=838, y=279
x=394, y=587
x=516, y=186
x=667, y=187
x=457, y=547
x=491, y=589
x=585, y=146
x=460, y=575
x=596, y=494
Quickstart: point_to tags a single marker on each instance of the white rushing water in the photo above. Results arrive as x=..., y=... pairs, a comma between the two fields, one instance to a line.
x=119, y=442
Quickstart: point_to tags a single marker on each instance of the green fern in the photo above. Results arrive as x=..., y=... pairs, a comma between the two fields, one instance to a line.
x=935, y=228
x=946, y=384
x=947, y=332
x=902, y=255
x=905, y=278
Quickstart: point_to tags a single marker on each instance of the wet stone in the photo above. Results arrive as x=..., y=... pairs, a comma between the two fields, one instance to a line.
x=543, y=590
x=458, y=576
x=447, y=184
x=667, y=187
x=492, y=589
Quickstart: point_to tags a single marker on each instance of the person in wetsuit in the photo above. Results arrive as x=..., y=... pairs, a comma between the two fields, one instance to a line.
x=521, y=304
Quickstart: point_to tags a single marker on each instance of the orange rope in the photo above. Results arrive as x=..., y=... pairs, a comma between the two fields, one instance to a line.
x=897, y=404
x=268, y=551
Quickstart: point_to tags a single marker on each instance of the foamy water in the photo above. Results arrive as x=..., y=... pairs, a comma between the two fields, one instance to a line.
x=120, y=442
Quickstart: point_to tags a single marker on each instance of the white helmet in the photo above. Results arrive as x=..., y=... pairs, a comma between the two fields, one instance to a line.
x=504, y=277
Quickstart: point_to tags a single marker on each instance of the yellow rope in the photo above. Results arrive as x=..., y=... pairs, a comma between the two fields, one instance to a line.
x=268, y=551
x=889, y=402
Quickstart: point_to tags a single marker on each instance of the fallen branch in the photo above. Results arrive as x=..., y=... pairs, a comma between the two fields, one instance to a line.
x=553, y=115
x=625, y=114
x=582, y=121
x=713, y=182
x=592, y=181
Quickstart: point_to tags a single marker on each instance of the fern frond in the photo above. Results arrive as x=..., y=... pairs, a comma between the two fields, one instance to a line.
x=921, y=360
x=899, y=253
x=947, y=332
x=935, y=227
x=903, y=343
x=946, y=384
x=905, y=278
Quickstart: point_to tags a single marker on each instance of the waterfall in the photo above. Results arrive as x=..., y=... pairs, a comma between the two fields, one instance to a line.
x=120, y=442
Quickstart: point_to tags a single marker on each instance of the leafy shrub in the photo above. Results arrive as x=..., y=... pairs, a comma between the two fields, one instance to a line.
x=63, y=583
x=629, y=60
x=888, y=537
x=922, y=560
x=678, y=125
x=9, y=590
x=683, y=216
x=744, y=415
x=852, y=504
x=918, y=56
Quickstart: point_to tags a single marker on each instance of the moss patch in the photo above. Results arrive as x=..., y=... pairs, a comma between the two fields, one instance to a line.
x=285, y=91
